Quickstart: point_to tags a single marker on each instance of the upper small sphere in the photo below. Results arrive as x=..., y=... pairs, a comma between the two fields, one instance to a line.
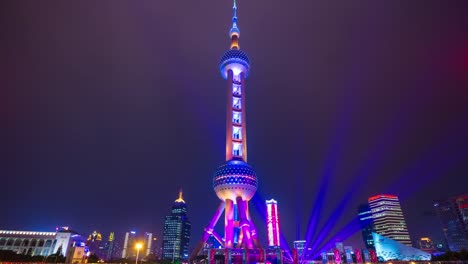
x=234, y=30
x=235, y=60
x=233, y=179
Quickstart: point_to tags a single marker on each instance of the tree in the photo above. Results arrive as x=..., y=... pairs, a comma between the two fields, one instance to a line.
x=93, y=258
x=59, y=251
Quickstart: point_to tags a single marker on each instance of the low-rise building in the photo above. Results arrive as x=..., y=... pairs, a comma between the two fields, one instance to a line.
x=36, y=243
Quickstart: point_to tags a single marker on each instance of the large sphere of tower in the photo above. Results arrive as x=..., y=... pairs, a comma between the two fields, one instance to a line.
x=233, y=179
x=235, y=60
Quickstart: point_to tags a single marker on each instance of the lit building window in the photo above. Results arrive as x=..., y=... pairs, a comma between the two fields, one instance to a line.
x=236, y=89
x=236, y=103
x=237, y=149
x=236, y=117
x=237, y=133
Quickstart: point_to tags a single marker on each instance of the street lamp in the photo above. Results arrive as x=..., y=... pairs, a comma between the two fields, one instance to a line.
x=138, y=247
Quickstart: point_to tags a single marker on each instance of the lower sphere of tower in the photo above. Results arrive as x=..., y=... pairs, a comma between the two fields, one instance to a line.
x=233, y=179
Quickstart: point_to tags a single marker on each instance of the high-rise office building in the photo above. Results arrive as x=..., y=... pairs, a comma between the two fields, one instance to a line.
x=109, y=247
x=96, y=245
x=117, y=247
x=102, y=248
x=273, y=229
x=129, y=242
x=388, y=219
x=367, y=225
x=132, y=239
x=176, y=232
x=453, y=215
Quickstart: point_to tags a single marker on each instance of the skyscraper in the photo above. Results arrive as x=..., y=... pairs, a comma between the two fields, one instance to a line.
x=129, y=242
x=273, y=229
x=176, y=232
x=235, y=181
x=388, y=218
x=110, y=246
x=453, y=215
x=131, y=239
x=95, y=244
x=366, y=223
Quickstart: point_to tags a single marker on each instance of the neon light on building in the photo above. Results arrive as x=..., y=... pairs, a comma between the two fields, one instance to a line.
x=388, y=219
x=273, y=223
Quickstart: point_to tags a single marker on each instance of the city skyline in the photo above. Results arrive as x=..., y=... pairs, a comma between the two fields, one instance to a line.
x=102, y=248
x=113, y=114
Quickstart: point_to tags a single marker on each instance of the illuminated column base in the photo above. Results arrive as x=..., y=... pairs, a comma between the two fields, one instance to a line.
x=244, y=223
x=254, y=232
x=229, y=224
x=208, y=230
x=227, y=256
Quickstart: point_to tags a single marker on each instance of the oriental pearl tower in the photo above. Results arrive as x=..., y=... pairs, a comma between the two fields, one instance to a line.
x=234, y=182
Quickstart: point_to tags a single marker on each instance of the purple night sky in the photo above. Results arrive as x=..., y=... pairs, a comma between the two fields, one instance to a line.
x=109, y=107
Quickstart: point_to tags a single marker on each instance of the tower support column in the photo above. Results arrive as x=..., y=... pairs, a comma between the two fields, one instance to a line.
x=229, y=224
x=227, y=256
x=279, y=256
x=208, y=230
x=218, y=238
x=244, y=223
x=245, y=256
x=211, y=256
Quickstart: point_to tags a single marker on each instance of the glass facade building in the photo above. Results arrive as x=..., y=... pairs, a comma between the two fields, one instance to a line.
x=176, y=235
x=453, y=215
x=388, y=219
x=366, y=223
x=388, y=249
x=131, y=240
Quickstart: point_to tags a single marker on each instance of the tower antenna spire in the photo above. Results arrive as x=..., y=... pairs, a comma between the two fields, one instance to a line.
x=181, y=198
x=234, y=33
